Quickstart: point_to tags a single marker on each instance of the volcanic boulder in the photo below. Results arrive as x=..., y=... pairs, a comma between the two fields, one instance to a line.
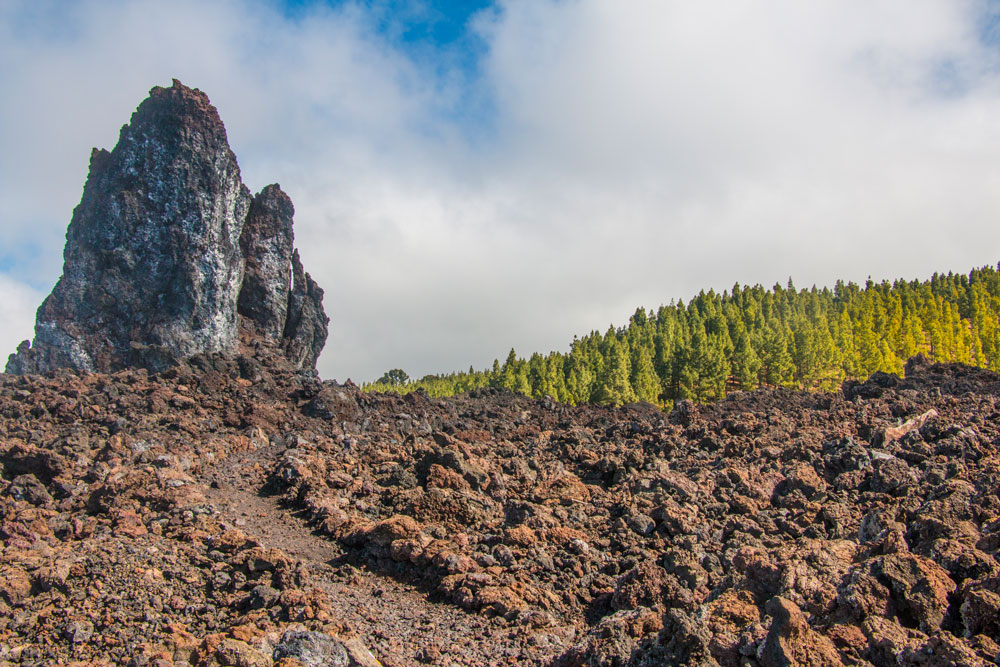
x=167, y=252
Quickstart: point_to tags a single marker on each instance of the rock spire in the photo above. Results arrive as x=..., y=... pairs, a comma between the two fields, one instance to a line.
x=168, y=255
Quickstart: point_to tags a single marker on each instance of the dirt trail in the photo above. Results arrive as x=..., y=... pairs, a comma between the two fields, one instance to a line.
x=396, y=620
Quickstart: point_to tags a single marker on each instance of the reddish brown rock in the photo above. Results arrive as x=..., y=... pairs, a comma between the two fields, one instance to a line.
x=981, y=613
x=729, y=616
x=791, y=642
x=289, y=504
x=15, y=585
x=234, y=653
x=919, y=588
x=642, y=586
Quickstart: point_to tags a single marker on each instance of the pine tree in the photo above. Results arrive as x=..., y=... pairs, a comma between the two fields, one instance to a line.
x=555, y=378
x=745, y=363
x=645, y=383
x=704, y=367
x=397, y=377
x=514, y=374
x=614, y=387
x=776, y=368
x=866, y=341
x=495, y=375
x=579, y=376
x=536, y=376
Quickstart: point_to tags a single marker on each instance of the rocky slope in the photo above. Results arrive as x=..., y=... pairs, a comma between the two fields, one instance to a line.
x=221, y=511
x=167, y=254
x=180, y=488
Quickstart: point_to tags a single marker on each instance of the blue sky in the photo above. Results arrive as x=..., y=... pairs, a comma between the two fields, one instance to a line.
x=439, y=36
x=469, y=177
x=438, y=24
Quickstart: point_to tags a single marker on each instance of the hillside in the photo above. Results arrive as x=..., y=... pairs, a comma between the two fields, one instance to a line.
x=179, y=487
x=751, y=337
x=214, y=516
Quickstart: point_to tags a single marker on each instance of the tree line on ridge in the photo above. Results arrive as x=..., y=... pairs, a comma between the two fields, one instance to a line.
x=751, y=337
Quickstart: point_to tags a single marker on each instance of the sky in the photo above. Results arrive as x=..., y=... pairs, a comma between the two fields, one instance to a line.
x=474, y=176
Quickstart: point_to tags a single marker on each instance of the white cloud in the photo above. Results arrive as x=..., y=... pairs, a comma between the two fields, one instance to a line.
x=18, y=303
x=607, y=155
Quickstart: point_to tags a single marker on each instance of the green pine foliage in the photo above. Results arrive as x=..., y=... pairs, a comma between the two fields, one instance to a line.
x=753, y=337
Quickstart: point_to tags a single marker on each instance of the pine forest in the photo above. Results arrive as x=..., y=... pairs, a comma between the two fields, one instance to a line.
x=752, y=337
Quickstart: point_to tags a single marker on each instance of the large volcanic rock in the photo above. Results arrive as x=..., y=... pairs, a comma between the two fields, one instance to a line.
x=167, y=255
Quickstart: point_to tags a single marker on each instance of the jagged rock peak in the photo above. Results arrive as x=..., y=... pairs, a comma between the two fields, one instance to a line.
x=168, y=256
x=266, y=243
x=278, y=298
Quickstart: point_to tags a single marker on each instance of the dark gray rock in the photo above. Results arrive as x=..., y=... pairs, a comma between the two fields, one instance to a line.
x=78, y=632
x=266, y=243
x=641, y=524
x=28, y=488
x=263, y=596
x=306, y=326
x=316, y=649
x=313, y=649
x=166, y=252
x=152, y=253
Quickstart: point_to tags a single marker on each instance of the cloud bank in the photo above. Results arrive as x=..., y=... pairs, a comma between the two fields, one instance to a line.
x=564, y=163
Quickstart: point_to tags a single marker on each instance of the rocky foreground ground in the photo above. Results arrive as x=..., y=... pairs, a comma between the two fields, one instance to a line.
x=233, y=512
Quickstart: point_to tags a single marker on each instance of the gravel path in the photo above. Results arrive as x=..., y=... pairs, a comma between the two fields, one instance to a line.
x=399, y=623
